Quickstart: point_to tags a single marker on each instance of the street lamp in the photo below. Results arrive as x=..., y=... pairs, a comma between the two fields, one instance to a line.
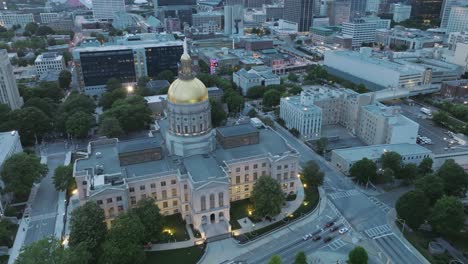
x=130, y=89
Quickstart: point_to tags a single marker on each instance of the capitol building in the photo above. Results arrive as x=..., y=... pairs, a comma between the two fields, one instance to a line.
x=188, y=167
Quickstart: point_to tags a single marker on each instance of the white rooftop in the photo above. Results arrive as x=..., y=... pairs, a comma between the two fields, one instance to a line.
x=376, y=151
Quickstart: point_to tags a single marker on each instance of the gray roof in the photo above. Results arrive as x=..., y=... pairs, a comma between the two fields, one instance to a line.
x=146, y=168
x=270, y=142
x=231, y=131
x=138, y=144
x=156, y=85
x=203, y=168
x=246, y=74
x=105, y=155
x=376, y=151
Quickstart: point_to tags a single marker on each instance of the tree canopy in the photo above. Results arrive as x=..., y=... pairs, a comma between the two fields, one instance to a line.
x=218, y=116
x=432, y=186
x=275, y=260
x=447, y=216
x=20, y=171
x=133, y=113
x=300, y=258
x=110, y=127
x=267, y=197
x=64, y=79
x=413, y=207
x=150, y=217
x=271, y=98
x=391, y=160
x=63, y=178
x=358, y=256
x=425, y=167
x=167, y=75
x=312, y=174
x=455, y=178
x=364, y=170
x=79, y=124
x=113, y=84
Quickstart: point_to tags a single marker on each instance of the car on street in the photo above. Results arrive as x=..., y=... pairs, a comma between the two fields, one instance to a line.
x=327, y=239
x=329, y=224
x=343, y=230
x=316, y=238
x=333, y=229
x=306, y=237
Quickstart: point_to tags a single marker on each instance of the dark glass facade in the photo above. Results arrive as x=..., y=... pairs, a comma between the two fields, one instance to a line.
x=99, y=66
x=176, y=2
x=426, y=9
x=159, y=59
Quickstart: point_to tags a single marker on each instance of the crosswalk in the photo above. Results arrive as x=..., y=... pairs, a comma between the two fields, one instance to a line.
x=340, y=195
x=379, y=204
x=378, y=231
x=336, y=244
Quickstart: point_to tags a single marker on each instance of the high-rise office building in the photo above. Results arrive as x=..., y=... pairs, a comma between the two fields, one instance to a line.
x=234, y=20
x=339, y=12
x=181, y=9
x=446, y=9
x=401, y=12
x=358, y=8
x=105, y=9
x=372, y=6
x=299, y=11
x=9, y=93
x=427, y=9
x=458, y=19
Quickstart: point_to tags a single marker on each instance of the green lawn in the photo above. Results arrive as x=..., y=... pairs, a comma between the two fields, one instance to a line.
x=189, y=255
x=238, y=210
x=177, y=226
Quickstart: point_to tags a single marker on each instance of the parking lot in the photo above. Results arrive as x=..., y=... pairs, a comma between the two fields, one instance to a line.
x=438, y=135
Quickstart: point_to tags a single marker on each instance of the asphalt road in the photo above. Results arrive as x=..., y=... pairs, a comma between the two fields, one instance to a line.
x=44, y=206
x=365, y=214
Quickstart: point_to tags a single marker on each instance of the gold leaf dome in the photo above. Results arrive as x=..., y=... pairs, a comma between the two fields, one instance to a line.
x=189, y=91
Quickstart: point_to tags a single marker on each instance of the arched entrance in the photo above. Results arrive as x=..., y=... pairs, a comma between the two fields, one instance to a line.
x=212, y=218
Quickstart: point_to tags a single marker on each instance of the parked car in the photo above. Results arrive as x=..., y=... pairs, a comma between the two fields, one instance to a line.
x=343, y=230
x=333, y=229
x=329, y=224
x=316, y=238
x=327, y=239
x=306, y=237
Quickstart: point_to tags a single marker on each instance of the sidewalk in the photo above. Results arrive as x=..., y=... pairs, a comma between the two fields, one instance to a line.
x=62, y=200
x=228, y=249
x=290, y=208
x=391, y=218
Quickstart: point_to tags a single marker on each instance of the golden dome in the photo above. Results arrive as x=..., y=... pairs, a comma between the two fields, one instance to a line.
x=190, y=91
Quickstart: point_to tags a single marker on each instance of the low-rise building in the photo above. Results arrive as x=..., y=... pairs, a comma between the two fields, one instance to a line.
x=258, y=75
x=49, y=61
x=412, y=38
x=217, y=59
x=10, y=144
x=344, y=159
x=457, y=89
x=8, y=20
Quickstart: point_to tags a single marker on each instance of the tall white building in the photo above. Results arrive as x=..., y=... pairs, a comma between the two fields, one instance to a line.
x=458, y=19
x=9, y=93
x=363, y=30
x=234, y=20
x=105, y=9
x=304, y=117
x=49, y=61
x=8, y=20
x=447, y=8
x=401, y=12
x=372, y=6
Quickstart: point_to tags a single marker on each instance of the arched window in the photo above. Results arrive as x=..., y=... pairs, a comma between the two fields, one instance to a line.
x=203, y=203
x=212, y=201
x=221, y=199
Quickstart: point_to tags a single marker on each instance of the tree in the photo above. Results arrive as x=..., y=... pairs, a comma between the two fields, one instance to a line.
x=312, y=174
x=124, y=242
x=358, y=256
x=234, y=101
x=44, y=30
x=113, y=84
x=256, y=92
x=31, y=28
x=110, y=127
x=63, y=178
x=64, y=79
x=133, y=113
x=49, y=250
x=267, y=197
x=165, y=75
x=252, y=113
x=432, y=186
x=295, y=90
x=148, y=212
x=408, y=172
x=87, y=226
x=78, y=102
x=321, y=145
x=31, y=123
x=364, y=170
x=413, y=207
x=271, y=98
x=293, y=77
x=300, y=258
x=391, y=160
x=108, y=98
x=425, y=167
x=78, y=124
x=454, y=177
x=440, y=117
x=46, y=105
x=218, y=116
x=20, y=171
x=275, y=260
x=447, y=217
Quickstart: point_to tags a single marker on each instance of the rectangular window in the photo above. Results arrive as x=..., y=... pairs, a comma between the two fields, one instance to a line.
x=153, y=186
x=99, y=202
x=109, y=200
x=278, y=167
x=154, y=195
x=185, y=197
x=131, y=189
x=278, y=176
x=174, y=203
x=132, y=200
x=174, y=192
x=237, y=169
x=119, y=198
x=143, y=196
x=185, y=186
x=285, y=175
x=237, y=179
x=173, y=182
x=246, y=167
x=246, y=188
x=186, y=207
x=120, y=208
x=263, y=164
x=164, y=194
x=286, y=166
x=142, y=187
x=255, y=176
x=255, y=166
x=291, y=184
x=165, y=205
x=246, y=178
x=163, y=183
